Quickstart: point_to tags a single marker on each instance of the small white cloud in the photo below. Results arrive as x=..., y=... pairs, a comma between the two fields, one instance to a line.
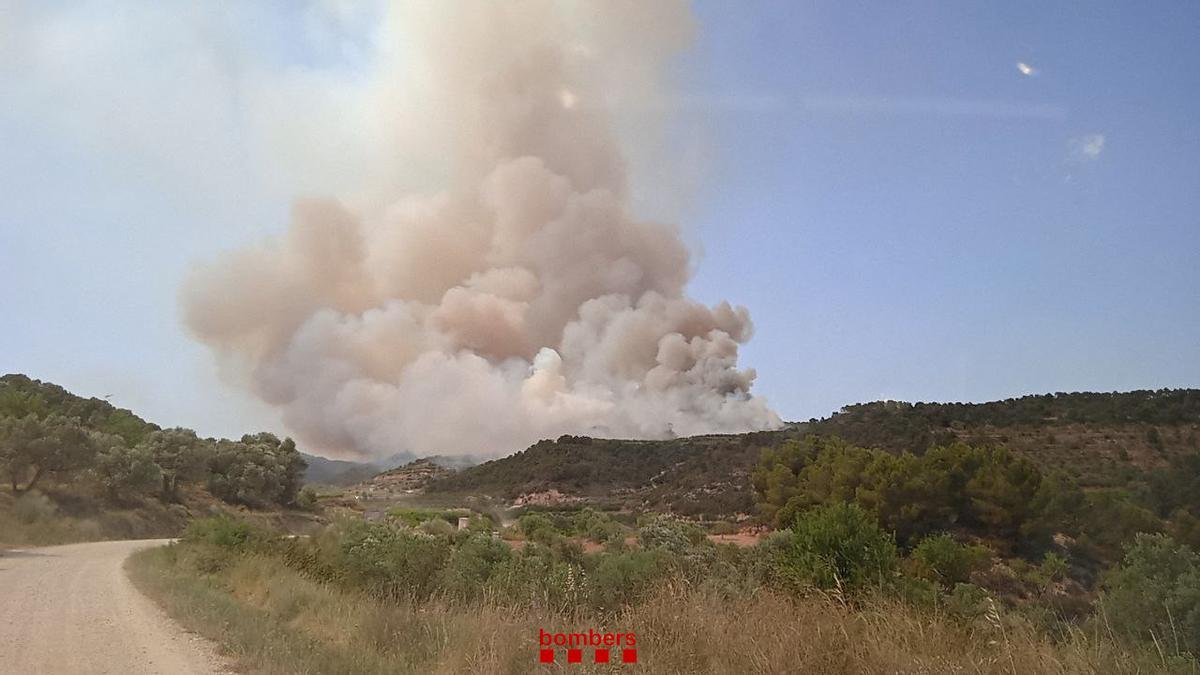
x=1088, y=147
x=1026, y=69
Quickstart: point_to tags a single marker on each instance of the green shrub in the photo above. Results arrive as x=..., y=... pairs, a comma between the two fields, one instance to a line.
x=222, y=530
x=471, y=564
x=392, y=561
x=839, y=546
x=535, y=525
x=941, y=559
x=672, y=535
x=438, y=527
x=306, y=500
x=535, y=579
x=1053, y=567
x=916, y=591
x=765, y=562
x=1154, y=594
x=622, y=578
x=966, y=601
x=595, y=526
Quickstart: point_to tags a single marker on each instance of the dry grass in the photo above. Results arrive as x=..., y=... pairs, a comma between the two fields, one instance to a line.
x=272, y=620
x=38, y=520
x=67, y=515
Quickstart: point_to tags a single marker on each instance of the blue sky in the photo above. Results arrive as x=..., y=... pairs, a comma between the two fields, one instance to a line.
x=906, y=214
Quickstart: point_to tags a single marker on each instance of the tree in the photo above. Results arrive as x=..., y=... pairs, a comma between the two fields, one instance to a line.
x=17, y=434
x=1001, y=492
x=32, y=448
x=126, y=472
x=258, y=470
x=180, y=456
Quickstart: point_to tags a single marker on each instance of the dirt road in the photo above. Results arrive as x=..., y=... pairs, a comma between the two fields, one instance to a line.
x=71, y=609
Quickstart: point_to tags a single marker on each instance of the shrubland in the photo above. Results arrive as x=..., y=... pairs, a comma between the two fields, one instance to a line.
x=834, y=592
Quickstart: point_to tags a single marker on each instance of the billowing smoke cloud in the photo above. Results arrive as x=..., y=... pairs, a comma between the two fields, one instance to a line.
x=521, y=301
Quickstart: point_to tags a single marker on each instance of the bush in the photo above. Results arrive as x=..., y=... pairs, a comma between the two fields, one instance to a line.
x=535, y=525
x=597, y=527
x=622, y=578
x=307, y=499
x=967, y=601
x=222, y=531
x=1155, y=593
x=34, y=507
x=471, y=564
x=438, y=527
x=1053, y=567
x=391, y=561
x=535, y=578
x=941, y=559
x=839, y=546
x=674, y=536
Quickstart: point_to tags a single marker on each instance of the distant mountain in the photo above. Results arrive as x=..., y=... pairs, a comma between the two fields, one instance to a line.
x=340, y=472
x=325, y=471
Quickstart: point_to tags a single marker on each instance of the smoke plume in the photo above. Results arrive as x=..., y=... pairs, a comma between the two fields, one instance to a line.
x=522, y=300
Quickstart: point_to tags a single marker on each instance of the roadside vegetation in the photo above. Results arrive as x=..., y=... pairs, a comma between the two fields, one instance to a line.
x=832, y=594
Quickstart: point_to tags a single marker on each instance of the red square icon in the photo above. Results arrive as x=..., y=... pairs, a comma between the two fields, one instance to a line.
x=546, y=656
x=629, y=656
x=601, y=656
x=574, y=656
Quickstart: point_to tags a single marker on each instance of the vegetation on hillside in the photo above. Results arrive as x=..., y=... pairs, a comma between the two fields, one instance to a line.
x=1117, y=442
x=700, y=475
x=985, y=493
x=72, y=464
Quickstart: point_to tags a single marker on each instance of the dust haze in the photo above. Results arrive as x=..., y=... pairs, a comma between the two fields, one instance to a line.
x=518, y=297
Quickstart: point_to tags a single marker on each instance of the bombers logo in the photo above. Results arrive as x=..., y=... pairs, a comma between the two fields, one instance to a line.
x=600, y=644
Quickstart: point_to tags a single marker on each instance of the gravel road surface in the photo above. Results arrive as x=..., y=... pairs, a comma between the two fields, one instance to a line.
x=71, y=609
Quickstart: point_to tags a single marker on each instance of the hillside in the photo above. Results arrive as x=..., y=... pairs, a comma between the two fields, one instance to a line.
x=21, y=395
x=1099, y=439
x=76, y=468
x=697, y=475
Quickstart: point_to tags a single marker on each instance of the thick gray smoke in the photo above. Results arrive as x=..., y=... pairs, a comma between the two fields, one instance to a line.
x=521, y=301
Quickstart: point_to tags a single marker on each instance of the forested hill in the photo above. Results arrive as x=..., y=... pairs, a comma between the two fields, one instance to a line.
x=894, y=425
x=696, y=475
x=80, y=468
x=21, y=396
x=1100, y=439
